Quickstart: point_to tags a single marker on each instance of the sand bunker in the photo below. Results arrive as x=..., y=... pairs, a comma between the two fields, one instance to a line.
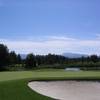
x=68, y=90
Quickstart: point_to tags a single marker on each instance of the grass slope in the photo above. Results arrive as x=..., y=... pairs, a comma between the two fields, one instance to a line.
x=13, y=85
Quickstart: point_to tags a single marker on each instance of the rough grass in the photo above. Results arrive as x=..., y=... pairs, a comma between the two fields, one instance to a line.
x=18, y=90
x=13, y=85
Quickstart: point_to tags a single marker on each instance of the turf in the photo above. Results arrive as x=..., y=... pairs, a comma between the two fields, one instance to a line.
x=18, y=90
x=49, y=74
x=13, y=85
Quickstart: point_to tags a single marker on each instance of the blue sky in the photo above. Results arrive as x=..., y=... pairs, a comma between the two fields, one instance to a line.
x=56, y=26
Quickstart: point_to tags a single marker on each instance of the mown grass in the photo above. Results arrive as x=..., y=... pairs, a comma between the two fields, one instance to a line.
x=18, y=90
x=48, y=74
x=13, y=85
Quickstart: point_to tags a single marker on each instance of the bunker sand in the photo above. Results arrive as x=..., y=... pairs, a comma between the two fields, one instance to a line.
x=68, y=90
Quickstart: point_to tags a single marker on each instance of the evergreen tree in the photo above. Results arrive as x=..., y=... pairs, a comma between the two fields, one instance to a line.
x=30, y=61
x=13, y=57
x=4, y=52
x=19, y=60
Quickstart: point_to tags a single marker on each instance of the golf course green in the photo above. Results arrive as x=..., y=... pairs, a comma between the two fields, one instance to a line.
x=13, y=85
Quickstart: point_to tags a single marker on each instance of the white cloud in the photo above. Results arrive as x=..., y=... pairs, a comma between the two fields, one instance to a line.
x=98, y=36
x=54, y=44
x=61, y=38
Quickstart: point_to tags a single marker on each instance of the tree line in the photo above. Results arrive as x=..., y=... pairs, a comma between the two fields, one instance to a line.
x=10, y=60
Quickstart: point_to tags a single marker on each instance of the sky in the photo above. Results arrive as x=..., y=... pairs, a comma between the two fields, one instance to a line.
x=50, y=26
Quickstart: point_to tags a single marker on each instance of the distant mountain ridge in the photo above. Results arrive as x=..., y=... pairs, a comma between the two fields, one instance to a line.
x=69, y=55
x=74, y=55
x=23, y=56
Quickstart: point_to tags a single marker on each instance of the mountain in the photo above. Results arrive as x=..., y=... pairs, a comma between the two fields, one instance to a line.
x=69, y=55
x=74, y=55
x=23, y=56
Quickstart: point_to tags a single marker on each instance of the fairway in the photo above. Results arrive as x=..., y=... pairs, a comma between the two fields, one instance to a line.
x=49, y=74
x=13, y=85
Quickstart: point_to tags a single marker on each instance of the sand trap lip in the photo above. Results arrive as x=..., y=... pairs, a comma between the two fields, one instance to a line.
x=67, y=90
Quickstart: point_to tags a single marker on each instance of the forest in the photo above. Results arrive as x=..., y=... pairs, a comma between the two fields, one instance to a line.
x=11, y=61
